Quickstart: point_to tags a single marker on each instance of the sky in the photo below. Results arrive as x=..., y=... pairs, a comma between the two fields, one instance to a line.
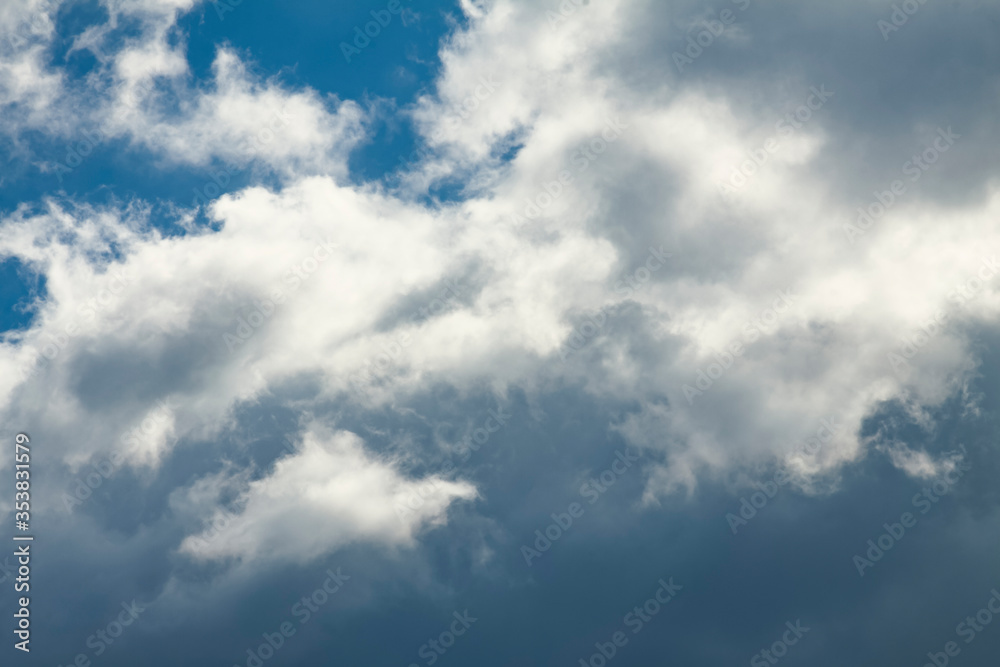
x=500, y=332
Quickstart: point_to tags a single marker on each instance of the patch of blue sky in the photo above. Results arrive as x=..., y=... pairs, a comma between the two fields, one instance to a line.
x=20, y=290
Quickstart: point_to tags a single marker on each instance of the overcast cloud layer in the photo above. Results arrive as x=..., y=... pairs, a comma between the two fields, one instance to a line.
x=517, y=311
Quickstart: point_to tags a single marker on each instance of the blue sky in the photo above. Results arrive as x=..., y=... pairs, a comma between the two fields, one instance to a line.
x=525, y=333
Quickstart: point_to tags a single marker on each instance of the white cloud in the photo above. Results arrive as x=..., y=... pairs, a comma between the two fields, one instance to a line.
x=653, y=181
x=828, y=356
x=920, y=464
x=329, y=494
x=237, y=121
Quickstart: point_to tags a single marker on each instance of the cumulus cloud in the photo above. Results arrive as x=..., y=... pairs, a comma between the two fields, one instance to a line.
x=328, y=494
x=237, y=121
x=920, y=464
x=370, y=260
x=871, y=313
x=591, y=195
x=29, y=90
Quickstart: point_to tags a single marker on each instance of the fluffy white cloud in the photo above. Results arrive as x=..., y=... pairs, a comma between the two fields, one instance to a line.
x=318, y=278
x=328, y=494
x=849, y=332
x=30, y=92
x=238, y=121
x=550, y=251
